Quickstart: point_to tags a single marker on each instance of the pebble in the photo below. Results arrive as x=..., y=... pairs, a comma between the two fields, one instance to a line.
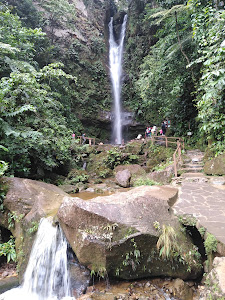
x=5, y=274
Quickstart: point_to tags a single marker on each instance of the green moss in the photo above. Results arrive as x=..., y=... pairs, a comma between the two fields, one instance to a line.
x=144, y=181
x=76, y=176
x=187, y=220
x=3, y=191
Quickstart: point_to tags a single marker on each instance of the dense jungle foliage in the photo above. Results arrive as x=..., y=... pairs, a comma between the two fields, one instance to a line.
x=174, y=67
x=182, y=75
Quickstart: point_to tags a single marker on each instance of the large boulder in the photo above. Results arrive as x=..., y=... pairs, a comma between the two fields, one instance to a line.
x=216, y=166
x=26, y=202
x=117, y=235
x=162, y=176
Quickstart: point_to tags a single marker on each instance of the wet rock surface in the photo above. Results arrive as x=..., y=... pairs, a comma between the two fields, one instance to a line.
x=26, y=202
x=156, y=289
x=8, y=277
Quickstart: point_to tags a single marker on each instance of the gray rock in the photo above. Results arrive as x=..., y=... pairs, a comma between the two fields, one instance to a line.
x=28, y=201
x=123, y=178
x=69, y=188
x=117, y=234
x=215, y=287
x=163, y=176
x=215, y=166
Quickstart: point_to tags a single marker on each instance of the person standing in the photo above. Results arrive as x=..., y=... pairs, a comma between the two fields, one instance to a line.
x=163, y=128
x=83, y=138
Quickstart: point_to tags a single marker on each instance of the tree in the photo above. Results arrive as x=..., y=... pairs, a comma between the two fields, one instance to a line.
x=165, y=84
x=32, y=123
x=208, y=33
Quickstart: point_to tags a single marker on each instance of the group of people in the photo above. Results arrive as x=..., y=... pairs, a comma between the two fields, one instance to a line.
x=152, y=130
x=83, y=137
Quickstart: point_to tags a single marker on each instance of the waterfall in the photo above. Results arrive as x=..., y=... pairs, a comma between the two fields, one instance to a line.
x=115, y=61
x=46, y=276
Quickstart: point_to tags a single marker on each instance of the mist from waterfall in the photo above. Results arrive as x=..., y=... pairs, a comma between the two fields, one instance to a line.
x=46, y=276
x=115, y=62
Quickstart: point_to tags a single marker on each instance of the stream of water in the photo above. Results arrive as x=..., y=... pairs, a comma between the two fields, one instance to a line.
x=115, y=60
x=46, y=276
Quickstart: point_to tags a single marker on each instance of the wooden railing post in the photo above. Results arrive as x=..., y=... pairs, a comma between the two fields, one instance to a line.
x=175, y=164
x=179, y=149
x=153, y=139
x=180, y=144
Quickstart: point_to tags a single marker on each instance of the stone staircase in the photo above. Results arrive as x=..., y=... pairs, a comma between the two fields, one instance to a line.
x=192, y=168
x=193, y=163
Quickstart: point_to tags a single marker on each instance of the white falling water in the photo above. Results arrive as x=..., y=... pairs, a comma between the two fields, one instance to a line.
x=46, y=276
x=115, y=61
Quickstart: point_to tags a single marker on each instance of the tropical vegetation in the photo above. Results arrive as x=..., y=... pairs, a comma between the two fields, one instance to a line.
x=174, y=69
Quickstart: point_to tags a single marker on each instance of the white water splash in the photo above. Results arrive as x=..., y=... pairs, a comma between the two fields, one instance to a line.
x=46, y=276
x=115, y=60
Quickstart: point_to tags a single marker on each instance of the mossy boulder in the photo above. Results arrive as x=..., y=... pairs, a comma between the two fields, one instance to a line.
x=69, y=188
x=117, y=235
x=26, y=202
x=156, y=156
x=135, y=147
x=162, y=176
x=135, y=171
x=75, y=176
x=216, y=166
x=97, y=166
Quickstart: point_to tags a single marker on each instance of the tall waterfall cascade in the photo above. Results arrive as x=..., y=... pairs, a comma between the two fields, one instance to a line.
x=115, y=62
x=46, y=276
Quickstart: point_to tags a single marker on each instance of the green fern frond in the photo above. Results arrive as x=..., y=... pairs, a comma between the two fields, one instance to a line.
x=31, y=134
x=22, y=109
x=4, y=148
x=6, y=48
x=163, y=14
x=173, y=49
x=19, y=66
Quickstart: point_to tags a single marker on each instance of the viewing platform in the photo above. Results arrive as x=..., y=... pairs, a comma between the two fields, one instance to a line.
x=90, y=140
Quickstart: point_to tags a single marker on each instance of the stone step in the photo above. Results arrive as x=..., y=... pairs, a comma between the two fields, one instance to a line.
x=191, y=170
x=195, y=166
x=196, y=160
x=187, y=175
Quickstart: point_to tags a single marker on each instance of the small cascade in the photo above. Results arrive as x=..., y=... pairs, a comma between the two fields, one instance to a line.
x=115, y=60
x=46, y=276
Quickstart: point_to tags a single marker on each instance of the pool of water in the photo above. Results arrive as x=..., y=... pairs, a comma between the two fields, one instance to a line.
x=90, y=195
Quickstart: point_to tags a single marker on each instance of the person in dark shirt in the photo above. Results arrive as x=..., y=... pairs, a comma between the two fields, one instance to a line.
x=163, y=128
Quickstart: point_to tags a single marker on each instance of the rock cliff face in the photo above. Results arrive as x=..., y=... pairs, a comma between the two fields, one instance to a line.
x=80, y=33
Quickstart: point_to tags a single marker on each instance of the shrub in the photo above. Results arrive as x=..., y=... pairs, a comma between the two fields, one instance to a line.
x=8, y=249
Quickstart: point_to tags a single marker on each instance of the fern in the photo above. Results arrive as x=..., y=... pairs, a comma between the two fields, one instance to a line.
x=19, y=65
x=20, y=110
x=164, y=14
x=6, y=48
